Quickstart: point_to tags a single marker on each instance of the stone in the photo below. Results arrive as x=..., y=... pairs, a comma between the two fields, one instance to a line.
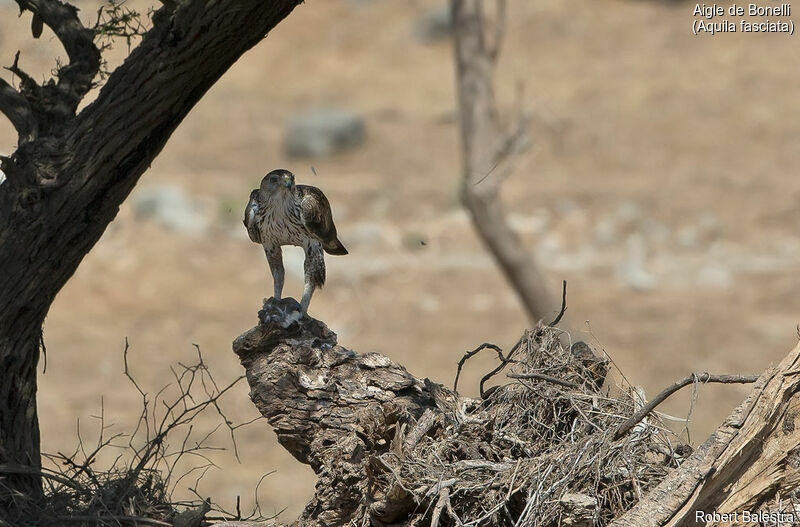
x=434, y=25
x=323, y=131
x=171, y=207
x=633, y=271
x=714, y=275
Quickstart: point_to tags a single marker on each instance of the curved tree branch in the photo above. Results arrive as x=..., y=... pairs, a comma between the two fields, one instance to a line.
x=17, y=109
x=750, y=459
x=74, y=79
x=701, y=378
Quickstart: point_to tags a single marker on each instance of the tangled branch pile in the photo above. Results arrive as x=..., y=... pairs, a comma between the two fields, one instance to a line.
x=535, y=451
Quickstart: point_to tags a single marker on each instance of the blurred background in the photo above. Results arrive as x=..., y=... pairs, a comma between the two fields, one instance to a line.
x=658, y=184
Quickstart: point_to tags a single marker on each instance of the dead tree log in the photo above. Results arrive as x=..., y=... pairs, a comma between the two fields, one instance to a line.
x=390, y=448
x=332, y=409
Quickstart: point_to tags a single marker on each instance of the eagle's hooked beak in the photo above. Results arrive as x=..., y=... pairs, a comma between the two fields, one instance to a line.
x=287, y=180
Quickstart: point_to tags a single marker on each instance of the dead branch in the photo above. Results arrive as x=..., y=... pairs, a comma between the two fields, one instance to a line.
x=563, y=305
x=8, y=468
x=505, y=361
x=468, y=355
x=483, y=149
x=543, y=377
x=327, y=404
x=703, y=378
x=136, y=488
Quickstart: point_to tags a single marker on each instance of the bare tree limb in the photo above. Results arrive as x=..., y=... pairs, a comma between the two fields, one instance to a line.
x=17, y=109
x=703, y=378
x=563, y=305
x=468, y=355
x=544, y=377
x=482, y=150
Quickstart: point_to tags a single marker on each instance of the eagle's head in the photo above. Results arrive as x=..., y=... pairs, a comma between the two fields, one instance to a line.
x=279, y=181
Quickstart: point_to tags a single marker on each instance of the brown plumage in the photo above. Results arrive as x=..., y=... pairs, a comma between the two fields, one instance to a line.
x=282, y=213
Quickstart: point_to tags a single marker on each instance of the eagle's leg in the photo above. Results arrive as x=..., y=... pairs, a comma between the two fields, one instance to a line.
x=275, y=259
x=314, y=267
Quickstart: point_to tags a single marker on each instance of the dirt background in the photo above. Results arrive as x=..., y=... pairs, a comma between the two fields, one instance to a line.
x=659, y=185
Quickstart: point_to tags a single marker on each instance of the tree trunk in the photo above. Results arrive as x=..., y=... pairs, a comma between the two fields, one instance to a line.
x=332, y=409
x=484, y=147
x=70, y=173
x=19, y=430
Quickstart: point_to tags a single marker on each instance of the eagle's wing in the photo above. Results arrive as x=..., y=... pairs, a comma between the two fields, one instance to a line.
x=250, y=217
x=315, y=211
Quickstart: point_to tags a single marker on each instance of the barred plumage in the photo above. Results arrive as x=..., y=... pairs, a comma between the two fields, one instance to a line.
x=282, y=213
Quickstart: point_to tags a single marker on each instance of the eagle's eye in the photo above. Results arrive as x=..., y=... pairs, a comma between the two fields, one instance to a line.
x=273, y=179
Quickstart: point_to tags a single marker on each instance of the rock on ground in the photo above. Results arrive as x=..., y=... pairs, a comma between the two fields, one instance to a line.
x=171, y=207
x=434, y=25
x=323, y=131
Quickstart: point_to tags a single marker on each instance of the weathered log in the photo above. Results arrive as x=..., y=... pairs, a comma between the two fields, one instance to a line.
x=333, y=409
x=389, y=448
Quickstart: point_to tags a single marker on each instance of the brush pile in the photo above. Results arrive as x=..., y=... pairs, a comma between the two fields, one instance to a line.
x=536, y=451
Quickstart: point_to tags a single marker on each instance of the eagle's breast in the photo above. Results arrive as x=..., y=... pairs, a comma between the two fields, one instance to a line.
x=280, y=222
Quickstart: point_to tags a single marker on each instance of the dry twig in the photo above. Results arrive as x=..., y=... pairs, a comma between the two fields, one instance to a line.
x=666, y=392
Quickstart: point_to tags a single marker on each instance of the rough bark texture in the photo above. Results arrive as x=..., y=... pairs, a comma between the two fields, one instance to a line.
x=752, y=457
x=484, y=147
x=333, y=409
x=70, y=173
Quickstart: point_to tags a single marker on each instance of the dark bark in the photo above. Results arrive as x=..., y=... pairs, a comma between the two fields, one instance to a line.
x=71, y=172
x=19, y=430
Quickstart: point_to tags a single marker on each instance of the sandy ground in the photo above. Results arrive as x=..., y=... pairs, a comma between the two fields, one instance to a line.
x=659, y=185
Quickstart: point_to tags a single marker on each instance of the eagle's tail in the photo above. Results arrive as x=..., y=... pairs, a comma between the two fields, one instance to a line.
x=335, y=247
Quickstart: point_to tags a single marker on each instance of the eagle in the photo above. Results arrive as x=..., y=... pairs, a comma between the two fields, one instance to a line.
x=282, y=213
